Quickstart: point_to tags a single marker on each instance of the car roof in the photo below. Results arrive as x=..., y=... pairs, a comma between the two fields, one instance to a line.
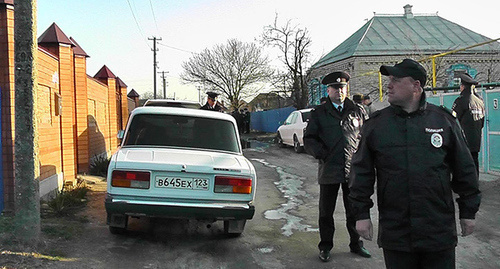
x=172, y=103
x=183, y=112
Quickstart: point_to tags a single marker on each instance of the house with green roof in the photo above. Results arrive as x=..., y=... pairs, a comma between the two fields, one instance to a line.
x=387, y=39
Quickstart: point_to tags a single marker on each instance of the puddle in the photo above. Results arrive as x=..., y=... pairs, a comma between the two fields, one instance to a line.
x=291, y=187
x=253, y=144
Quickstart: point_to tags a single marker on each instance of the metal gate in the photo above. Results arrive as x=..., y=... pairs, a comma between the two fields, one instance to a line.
x=489, y=157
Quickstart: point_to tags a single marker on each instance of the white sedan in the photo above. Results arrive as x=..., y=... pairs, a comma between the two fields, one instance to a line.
x=180, y=163
x=292, y=131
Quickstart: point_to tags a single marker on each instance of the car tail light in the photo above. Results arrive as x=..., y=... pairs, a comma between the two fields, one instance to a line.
x=228, y=184
x=130, y=179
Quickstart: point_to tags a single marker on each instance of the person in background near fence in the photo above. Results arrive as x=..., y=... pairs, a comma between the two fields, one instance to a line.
x=367, y=102
x=416, y=154
x=212, y=103
x=332, y=136
x=468, y=108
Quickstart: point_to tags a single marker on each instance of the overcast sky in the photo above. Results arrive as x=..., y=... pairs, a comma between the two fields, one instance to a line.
x=115, y=32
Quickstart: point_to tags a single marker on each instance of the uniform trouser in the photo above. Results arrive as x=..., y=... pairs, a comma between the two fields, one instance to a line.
x=444, y=259
x=475, y=156
x=327, y=200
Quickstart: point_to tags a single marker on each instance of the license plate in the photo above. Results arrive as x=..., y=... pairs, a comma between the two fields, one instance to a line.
x=189, y=183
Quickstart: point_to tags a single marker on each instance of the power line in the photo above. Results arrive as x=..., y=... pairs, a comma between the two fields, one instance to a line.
x=154, y=17
x=165, y=45
x=137, y=23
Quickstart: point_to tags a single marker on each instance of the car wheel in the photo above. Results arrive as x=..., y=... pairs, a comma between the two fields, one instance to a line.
x=296, y=145
x=279, y=140
x=117, y=230
x=234, y=228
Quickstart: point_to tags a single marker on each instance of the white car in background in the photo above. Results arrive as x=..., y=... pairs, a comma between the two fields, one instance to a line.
x=292, y=131
x=180, y=163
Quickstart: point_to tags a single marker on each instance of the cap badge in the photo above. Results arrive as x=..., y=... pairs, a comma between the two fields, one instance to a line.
x=436, y=140
x=338, y=80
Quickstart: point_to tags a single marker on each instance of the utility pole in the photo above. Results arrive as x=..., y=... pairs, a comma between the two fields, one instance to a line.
x=155, y=40
x=26, y=173
x=164, y=83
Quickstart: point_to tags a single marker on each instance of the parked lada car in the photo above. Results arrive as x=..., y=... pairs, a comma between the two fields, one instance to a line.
x=180, y=163
x=291, y=132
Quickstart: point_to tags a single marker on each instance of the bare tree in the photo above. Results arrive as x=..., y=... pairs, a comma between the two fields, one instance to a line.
x=234, y=69
x=293, y=42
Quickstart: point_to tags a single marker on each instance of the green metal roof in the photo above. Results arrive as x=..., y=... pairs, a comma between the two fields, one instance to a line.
x=399, y=35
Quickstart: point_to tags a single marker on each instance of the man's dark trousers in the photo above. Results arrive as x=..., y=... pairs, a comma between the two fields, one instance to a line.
x=327, y=200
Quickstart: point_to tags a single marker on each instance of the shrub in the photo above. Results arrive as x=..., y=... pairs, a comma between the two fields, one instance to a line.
x=68, y=198
x=99, y=165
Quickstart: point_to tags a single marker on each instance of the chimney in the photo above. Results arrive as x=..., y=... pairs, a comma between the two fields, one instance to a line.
x=408, y=13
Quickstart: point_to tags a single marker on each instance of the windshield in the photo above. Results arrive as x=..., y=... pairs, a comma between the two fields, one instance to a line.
x=182, y=131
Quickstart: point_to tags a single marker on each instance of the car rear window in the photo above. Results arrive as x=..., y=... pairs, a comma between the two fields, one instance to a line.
x=181, y=131
x=305, y=115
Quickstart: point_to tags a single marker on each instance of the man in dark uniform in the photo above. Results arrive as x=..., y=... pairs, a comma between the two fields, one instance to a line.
x=417, y=155
x=468, y=108
x=332, y=136
x=212, y=103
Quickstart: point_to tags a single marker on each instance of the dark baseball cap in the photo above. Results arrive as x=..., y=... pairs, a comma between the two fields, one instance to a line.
x=406, y=68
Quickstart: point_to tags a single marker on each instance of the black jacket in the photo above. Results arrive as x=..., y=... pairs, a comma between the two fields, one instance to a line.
x=469, y=110
x=332, y=137
x=417, y=160
x=217, y=107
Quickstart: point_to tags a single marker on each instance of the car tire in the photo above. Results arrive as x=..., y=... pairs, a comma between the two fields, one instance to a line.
x=279, y=140
x=296, y=145
x=117, y=230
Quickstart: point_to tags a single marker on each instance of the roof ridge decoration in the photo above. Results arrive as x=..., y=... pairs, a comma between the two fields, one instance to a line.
x=120, y=82
x=104, y=72
x=132, y=94
x=54, y=34
x=77, y=50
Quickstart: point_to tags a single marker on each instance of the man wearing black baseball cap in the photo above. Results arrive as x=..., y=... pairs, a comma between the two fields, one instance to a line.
x=468, y=108
x=331, y=136
x=416, y=155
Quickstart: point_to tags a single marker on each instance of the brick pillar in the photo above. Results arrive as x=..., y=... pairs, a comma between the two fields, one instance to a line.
x=124, y=104
x=68, y=122
x=112, y=115
x=7, y=104
x=82, y=135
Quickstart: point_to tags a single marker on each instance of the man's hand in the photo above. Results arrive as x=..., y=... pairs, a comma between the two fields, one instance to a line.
x=365, y=229
x=467, y=225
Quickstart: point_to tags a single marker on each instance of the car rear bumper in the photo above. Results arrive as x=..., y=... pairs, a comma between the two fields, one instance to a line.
x=137, y=206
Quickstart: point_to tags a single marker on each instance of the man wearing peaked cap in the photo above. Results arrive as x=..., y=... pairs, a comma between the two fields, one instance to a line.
x=469, y=110
x=331, y=136
x=416, y=155
x=212, y=103
x=336, y=78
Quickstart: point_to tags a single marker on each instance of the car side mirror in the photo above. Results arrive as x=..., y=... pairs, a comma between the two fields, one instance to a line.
x=120, y=134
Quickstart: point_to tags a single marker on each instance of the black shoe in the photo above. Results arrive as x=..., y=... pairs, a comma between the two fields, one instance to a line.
x=361, y=251
x=324, y=255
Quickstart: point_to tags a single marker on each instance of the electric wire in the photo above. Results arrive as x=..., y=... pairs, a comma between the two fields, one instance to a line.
x=137, y=23
x=154, y=17
x=183, y=50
